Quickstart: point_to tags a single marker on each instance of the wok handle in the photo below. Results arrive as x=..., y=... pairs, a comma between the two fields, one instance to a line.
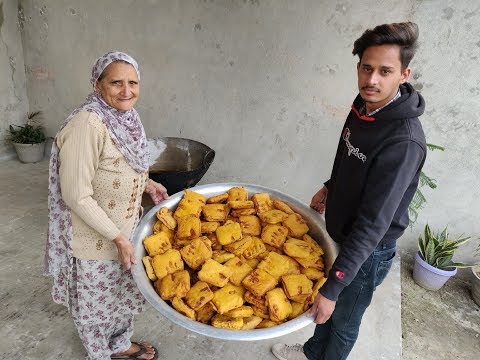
x=208, y=158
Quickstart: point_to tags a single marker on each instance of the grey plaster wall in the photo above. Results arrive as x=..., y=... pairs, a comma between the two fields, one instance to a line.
x=447, y=74
x=13, y=96
x=268, y=83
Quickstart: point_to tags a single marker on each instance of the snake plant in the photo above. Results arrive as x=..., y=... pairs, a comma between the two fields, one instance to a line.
x=437, y=249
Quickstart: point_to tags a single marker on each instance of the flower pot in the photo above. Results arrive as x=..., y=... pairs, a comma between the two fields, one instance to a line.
x=476, y=284
x=30, y=153
x=428, y=276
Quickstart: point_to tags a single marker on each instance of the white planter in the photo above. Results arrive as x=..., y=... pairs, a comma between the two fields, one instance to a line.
x=429, y=277
x=30, y=153
x=476, y=284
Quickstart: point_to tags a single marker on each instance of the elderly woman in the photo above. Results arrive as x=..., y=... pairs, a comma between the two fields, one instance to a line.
x=98, y=172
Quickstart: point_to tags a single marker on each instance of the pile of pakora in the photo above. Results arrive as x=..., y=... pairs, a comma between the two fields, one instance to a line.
x=234, y=261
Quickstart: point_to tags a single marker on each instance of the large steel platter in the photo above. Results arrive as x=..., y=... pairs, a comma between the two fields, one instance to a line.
x=145, y=228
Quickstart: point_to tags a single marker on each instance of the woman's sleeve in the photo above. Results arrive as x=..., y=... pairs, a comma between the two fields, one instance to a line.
x=81, y=145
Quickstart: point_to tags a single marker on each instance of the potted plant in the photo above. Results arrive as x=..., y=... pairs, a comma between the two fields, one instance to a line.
x=28, y=140
x=433, y=262
x=419, y=200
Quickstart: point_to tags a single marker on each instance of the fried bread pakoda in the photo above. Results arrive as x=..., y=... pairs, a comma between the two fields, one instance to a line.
x=234, y=262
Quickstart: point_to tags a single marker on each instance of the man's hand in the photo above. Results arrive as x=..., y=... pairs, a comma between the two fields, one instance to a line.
x=157, y=191
x=319, y=200
x=125, y=251
x=322, y=309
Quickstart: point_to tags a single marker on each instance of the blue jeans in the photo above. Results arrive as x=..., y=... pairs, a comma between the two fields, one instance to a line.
x=335, y=339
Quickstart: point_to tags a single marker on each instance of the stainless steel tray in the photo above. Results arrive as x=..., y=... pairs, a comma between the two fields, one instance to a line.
x=145, y=228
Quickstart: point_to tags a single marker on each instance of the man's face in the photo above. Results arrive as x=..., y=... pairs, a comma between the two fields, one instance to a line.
x=380, y=74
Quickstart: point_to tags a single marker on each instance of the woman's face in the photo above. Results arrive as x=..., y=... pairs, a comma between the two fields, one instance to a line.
x=119, y=86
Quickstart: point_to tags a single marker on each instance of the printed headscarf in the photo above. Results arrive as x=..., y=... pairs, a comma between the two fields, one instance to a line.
x=127, y=134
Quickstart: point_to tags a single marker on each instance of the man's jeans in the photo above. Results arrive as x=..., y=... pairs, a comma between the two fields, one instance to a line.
x=334, y=339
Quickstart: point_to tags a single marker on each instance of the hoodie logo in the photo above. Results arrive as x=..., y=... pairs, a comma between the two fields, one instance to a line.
x=351, y=149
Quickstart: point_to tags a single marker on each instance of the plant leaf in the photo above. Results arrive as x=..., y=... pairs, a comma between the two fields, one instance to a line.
x=428, y=233
x=443, y=262
x=32, y=114
x=422, y=246
x=412, y=215
x=425, y=180
x=445, y=252
x=460, y=242
x=430, y=251
x=418, y=200
x=463, y=265
x=443, y=235
x=435, y=147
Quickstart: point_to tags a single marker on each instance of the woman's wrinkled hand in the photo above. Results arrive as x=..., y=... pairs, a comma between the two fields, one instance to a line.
x=157, y=191
x=125, y=251
x=319, y=200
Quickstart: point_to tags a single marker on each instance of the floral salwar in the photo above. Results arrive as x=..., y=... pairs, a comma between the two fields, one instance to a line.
x=103, y=298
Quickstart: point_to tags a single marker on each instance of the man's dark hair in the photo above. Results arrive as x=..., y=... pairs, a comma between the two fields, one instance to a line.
x=403, y=34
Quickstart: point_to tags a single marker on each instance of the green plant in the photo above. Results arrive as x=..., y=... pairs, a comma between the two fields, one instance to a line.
x=419, y=200
x=438, y=249
x=30, y=133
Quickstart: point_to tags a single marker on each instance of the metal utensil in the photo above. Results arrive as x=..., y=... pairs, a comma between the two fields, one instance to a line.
x=145, y=228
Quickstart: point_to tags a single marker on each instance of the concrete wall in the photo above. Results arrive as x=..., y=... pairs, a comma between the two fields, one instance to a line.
x=447, y=74
x=268, y=83
x=13, y=96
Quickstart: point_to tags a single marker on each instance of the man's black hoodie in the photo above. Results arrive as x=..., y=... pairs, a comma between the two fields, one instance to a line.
x=374, y=177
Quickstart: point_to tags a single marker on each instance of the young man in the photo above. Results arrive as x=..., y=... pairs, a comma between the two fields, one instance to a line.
x=374, y=177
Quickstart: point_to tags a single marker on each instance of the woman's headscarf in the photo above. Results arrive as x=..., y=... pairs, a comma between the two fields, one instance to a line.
x=128, y=135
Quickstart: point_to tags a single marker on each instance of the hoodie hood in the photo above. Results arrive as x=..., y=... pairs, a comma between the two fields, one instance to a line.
x=410, y=104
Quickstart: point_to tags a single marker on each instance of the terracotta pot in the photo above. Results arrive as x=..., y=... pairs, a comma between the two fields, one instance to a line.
x=428, y=276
